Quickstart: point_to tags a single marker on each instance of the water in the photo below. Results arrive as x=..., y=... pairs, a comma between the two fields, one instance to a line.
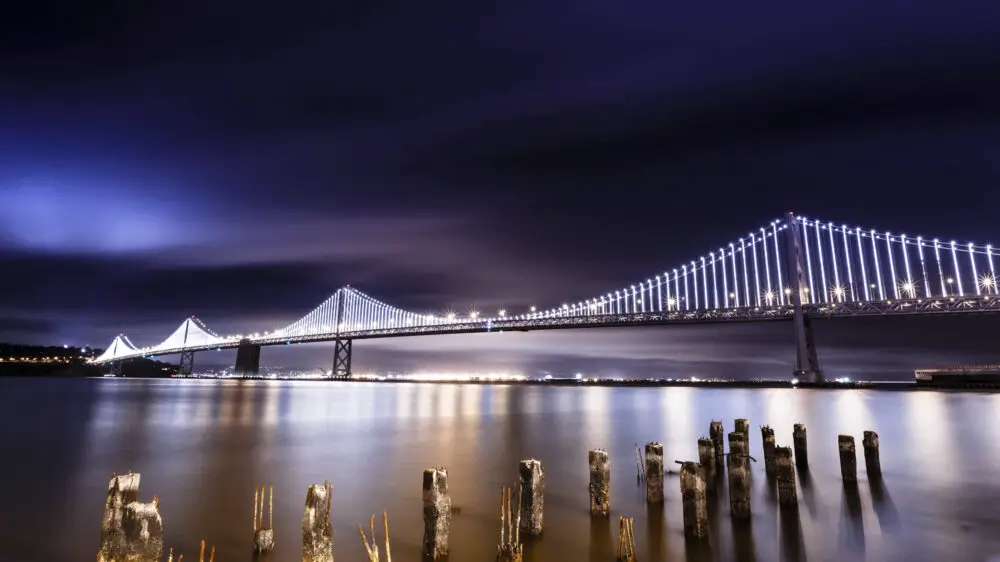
x=202, y=445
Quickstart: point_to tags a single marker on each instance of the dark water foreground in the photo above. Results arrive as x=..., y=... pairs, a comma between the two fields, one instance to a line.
x=202, y=445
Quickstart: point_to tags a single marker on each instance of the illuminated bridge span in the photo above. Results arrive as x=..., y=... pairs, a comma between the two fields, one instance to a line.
x=793, y=269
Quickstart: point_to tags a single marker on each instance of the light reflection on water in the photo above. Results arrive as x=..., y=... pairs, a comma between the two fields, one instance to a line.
x=201, y=446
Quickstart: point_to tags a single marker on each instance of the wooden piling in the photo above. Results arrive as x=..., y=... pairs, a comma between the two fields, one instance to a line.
x=785, y=471
x=317, y=532
x=801, y=446
x=437, y=513
x=742, y=425
x=654, y=472
x=739, y=450
x=848, y=458
x=263, y=535
x=626, y=540
x=706, y=457
x=130, y=529
x=510, y=548
x=640, y=465
x=737, y=464
x=873, y=465
x=531, y=504
x=693, y=497
x=371, y=547
x=600, y=481
x=718, y=436
x=767, y=438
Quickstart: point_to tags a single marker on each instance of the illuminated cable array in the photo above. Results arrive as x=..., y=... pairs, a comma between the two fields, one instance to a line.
x=841, y=264
x=881, y=266
x=740, y=274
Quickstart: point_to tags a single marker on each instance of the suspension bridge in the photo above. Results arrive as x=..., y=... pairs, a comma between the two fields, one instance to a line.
x=791, y=269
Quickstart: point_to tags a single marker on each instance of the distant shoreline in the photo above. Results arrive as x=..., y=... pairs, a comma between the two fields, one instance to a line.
x=765, y=384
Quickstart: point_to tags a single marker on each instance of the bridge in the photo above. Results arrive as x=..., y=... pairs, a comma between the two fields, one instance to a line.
x=791, y=269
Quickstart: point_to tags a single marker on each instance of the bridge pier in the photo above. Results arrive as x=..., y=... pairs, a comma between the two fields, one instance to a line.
x=247, y=360
x=806, y=363
x=116, y=368
x=342, y=358
x=186, y=366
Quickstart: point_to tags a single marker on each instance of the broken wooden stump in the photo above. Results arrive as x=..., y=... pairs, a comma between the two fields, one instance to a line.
x=130, y=529
x=785, y=472
x=437, y=513
x=801, y=446
x=873, y=466
x=654, y=472
x=317, y=532
x=848, y=458
x=737, y=464
x=626, y=540
x=600, y=481
x=263, y=536
x=531, y=504
x=767, y=438
x=693, y=497
x=201, y=553
x=718, y=435
x=372, y=547
x=510, y=548
x=706, y=457
x=742, y=425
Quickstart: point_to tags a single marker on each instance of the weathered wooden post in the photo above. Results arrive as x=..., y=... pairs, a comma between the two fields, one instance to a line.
x=706, y=457
x=640, y=466
x=739, y=449
x=130, y=529
x=437, y=513
x=801, y=446
x=371, y=547
x=718, y=435
x=654, y=472
x=741, y=425
x=848, y=458
x=873, y=466
x=600, y=481
x=693, y=497
x=626, y=540
x=317, y=532
x=767, y=438
x=739, y=477
x=263, y=537
x=531, y=496
x=785, y=469
x=510, y=547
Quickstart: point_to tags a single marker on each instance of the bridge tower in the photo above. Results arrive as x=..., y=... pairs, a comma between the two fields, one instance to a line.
x=186, y=366
x=247, y=359
x=806, y=364
x=342, y=346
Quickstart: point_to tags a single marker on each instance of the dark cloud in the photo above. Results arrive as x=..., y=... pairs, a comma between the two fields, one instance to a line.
x=240, y=161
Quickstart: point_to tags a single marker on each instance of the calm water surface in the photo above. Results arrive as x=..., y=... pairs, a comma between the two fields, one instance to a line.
x=202, y=445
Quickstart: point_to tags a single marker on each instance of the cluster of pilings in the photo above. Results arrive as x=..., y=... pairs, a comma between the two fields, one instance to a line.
x=133, y=531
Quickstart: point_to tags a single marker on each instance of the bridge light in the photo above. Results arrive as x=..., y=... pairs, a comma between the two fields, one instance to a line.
x=501, y=313
x=474, y=314
x=909, y=288
x=533, y=309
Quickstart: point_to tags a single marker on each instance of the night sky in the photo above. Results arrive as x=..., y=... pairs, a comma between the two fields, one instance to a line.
x=242, y=160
